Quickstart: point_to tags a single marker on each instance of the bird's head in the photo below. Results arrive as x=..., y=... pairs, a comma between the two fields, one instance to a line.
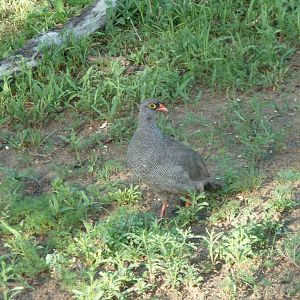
x=151, y=106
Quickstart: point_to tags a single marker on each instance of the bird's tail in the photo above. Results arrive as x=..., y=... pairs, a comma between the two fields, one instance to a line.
x=213, y=185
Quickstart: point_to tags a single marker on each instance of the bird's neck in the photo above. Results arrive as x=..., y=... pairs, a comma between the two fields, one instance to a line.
x=147, y=120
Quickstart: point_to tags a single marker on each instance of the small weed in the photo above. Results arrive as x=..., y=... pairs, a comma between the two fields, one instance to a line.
x=226, y=213
x=72, y=203
x=110, y=168
x=288, y=176
x=118, y=130
x=9, y=188
x=240, y=279
x=74, y=142
x=282, y=199
x=290, y=248
x=229, y=285
x=247, y=279
x=212, y=242
x=27, y=250
x=240, y=179
x=26, y=139
x=131, y=195
x=246, y=241
x=7, y=275
x=56, y=263
x=190, y=214
x=236, y=247
x=251, y=128
x=93, y=165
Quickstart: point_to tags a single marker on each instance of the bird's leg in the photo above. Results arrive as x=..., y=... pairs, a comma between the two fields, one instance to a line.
x=164, y=207
x=163, y=210
x=200, y=186
x=187, y=203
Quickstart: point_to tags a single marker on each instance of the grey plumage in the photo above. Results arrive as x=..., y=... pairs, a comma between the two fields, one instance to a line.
x=162, y=162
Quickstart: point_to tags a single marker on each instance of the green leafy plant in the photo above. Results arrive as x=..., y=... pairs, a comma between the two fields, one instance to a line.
x=190, y=213
x=7, y=274
x=282, y=199
x=72, y=203
x=129, y=195
x=290, y=248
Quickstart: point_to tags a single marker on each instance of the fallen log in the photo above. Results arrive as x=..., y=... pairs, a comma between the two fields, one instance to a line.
x=90, y=20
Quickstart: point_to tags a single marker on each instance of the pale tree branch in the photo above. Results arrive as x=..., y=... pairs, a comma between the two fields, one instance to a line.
x=90, y=20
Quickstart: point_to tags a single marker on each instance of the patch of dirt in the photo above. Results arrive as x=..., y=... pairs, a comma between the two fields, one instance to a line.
x=59, y=160
x=45, y=289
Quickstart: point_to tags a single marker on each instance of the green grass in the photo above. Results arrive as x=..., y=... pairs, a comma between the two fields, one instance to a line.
x=25, y=19
x=234, y=46
x=127, y=253
x=67, y=211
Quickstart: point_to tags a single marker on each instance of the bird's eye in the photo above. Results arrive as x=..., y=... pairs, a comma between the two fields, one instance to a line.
x=152, y=105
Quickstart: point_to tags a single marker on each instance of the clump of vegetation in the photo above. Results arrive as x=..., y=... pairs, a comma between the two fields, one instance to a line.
x=235, y=46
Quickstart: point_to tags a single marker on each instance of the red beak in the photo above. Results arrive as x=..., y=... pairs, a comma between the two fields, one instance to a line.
x=162, y=108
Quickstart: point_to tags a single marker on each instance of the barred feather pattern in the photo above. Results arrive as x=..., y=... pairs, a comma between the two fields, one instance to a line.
x=160, y=161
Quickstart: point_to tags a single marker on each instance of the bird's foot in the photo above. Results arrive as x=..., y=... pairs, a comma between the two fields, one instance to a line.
x=187, y=203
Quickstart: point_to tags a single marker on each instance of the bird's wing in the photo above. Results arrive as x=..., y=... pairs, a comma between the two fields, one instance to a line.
x=187, y=159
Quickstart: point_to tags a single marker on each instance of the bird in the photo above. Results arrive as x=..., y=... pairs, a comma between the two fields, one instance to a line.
x=163, y=163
